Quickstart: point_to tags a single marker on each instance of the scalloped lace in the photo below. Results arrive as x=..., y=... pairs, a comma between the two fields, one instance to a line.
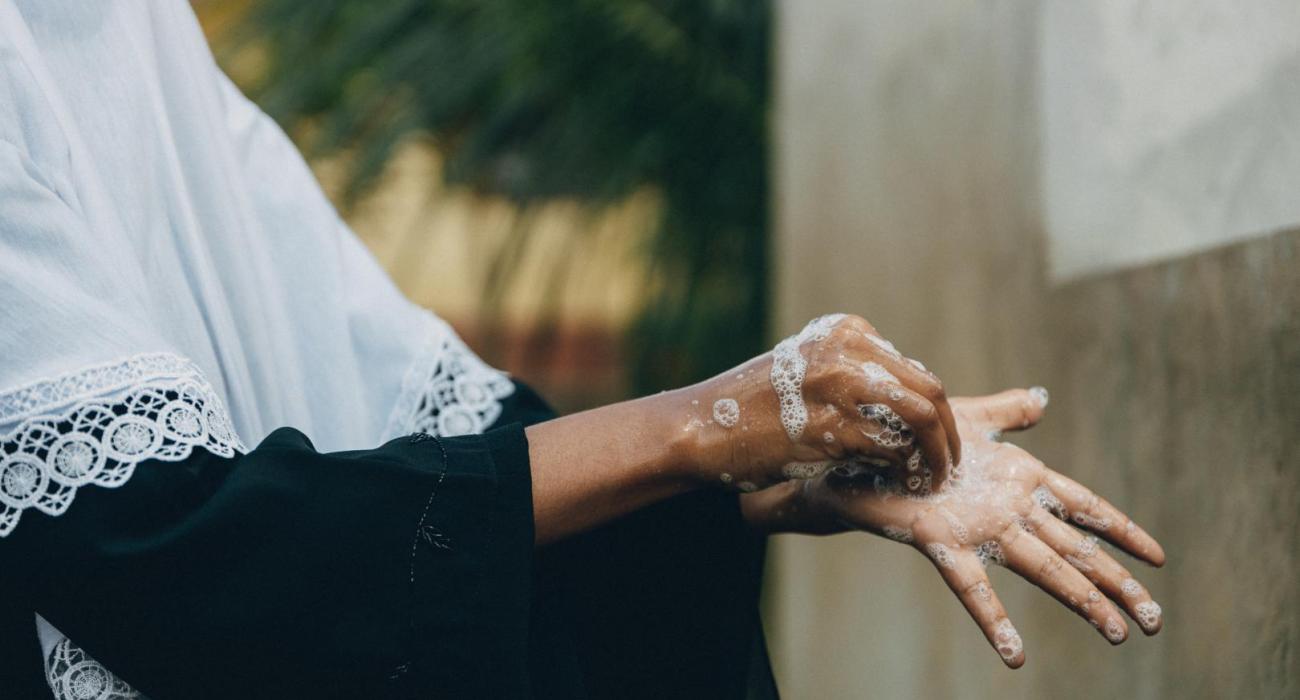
x=113, y=416
x=162, y=408
x=73, y=675
x=448, y=390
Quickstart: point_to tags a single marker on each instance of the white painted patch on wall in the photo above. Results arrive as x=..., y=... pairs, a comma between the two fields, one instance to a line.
x=1168, y=127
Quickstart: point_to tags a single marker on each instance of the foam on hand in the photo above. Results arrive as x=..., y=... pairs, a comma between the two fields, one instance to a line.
x=726, y=412
x=1007, y=639
x=889, y=429
x=789, y=369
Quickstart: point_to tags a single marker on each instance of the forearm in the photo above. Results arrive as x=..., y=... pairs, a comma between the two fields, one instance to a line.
x=591, y=467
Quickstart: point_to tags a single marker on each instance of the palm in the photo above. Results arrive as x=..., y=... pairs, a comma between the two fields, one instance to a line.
x=1004, y=506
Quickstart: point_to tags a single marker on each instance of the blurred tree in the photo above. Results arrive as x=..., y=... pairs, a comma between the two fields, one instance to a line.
x=581, y=99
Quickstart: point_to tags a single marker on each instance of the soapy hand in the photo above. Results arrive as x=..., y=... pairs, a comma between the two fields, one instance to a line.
x=835, y=392
x=1000, y=506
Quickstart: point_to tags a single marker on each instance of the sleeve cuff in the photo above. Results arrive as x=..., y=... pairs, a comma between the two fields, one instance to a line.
x=472, y=568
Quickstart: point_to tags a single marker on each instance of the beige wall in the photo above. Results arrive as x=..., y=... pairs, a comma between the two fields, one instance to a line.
x=907, y=191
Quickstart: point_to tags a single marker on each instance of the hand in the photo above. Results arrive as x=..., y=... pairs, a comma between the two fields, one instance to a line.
x=1001, y=506
x=837, y=391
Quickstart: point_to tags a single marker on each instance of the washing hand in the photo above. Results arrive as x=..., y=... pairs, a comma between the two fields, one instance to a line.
x=1000, y=506
x=835, y=392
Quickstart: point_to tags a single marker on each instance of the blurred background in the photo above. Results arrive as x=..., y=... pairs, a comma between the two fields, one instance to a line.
x=610, y=198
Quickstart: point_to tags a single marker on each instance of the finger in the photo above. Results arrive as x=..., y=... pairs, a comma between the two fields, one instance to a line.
x=968, y=580
x=914, y=376
x=899, y=420
x=1100, y=568
x=1088, y=510
x=1014, y=409
x=1028, y=556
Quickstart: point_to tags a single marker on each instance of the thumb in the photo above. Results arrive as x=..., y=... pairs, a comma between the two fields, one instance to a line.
x=1013, y=409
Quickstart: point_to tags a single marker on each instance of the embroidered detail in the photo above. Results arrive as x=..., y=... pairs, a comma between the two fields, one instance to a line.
x=435, y=538
x=96, y=380
x=73, y=675
x=114, y=416
x=448, y=390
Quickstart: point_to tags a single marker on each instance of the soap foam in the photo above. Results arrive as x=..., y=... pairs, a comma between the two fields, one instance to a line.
x=1085, y=547
x=1049, y=502
x=1008, y=640
x=1148, y=614
x=876, y=373
x=1091, y=522
x=789, y=369
x=941, y=555
x=897, y=534
x=990, y=552
x=958, y=529
x=885, y=346
x=806, y=470
x=726, y=412
x=891, y=431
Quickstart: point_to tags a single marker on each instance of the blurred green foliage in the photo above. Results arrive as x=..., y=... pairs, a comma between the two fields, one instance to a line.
x=579, y=99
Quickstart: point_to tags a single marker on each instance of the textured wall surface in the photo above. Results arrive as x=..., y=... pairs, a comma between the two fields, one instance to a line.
x=907, y=191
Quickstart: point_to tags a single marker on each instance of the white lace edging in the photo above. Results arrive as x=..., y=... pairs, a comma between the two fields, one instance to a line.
x=113, y=416
x=447, y=390
x=96, y=380
x=73, y=675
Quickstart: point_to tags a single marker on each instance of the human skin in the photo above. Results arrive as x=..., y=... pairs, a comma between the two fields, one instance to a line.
x=1014, y=501
x=594, y=466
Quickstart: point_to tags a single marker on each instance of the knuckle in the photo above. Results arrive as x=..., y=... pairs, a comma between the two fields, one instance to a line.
x=925, y=414
x=856, y=323
x=932, y=388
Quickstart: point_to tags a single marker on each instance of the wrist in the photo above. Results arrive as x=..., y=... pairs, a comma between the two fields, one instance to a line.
x=690, y=441
x=673, y=418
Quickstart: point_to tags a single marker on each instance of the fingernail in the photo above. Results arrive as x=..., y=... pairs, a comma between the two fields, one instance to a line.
x=1040, y=395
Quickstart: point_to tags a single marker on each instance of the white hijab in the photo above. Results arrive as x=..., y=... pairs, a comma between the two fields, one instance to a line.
x=172, y=277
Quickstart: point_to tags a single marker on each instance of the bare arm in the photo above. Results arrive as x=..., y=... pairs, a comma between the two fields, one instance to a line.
x=836, y=391
x=594, y=466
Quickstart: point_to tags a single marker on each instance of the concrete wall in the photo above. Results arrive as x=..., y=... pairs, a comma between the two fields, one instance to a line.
x=907, y=191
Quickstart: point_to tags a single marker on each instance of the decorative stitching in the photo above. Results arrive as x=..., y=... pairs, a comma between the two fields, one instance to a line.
x=117, y=415
x=73, y=675
x=447, y=390
x=420, y=534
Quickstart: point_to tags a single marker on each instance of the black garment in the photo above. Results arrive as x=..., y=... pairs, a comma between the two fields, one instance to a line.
x=403, y=571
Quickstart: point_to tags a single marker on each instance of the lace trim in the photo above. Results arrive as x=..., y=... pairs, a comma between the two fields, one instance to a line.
x=145, y=407
x=41, y=396
x=73, y=675
x=448, y=390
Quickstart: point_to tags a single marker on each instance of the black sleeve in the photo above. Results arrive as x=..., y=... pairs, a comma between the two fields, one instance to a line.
x=403, y=571
x=662, y=603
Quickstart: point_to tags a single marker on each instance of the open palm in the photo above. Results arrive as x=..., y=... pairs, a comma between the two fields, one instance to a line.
x=1005, y=507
